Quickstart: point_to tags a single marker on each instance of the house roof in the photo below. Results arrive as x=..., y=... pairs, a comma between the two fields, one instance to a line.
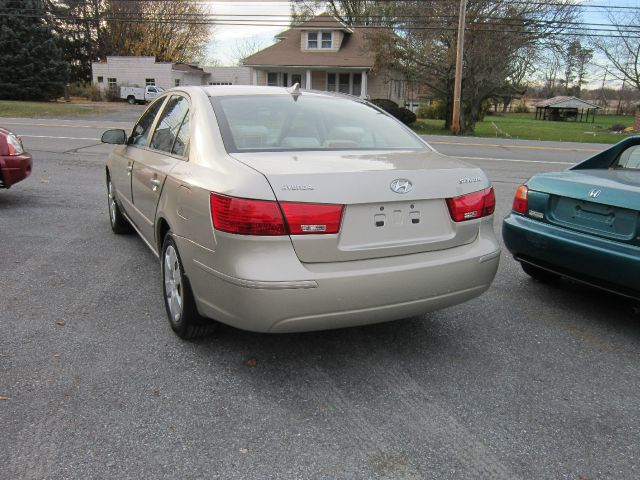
x=185, y=67
x=565, y=102
x=287, y=52
x=324, y=21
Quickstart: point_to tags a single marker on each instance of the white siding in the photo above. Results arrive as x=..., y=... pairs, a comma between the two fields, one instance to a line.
x=232, y=75
x=132, y=71
x=387, y=84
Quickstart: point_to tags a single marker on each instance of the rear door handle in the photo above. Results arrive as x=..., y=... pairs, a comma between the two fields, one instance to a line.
x=156, y=182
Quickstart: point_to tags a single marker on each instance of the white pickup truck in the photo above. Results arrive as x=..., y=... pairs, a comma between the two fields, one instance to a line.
x=135, y=95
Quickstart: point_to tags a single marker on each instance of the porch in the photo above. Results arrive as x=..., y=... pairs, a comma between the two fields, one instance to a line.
x=352, y=81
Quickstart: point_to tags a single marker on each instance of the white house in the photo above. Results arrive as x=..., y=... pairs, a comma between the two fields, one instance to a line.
x=142, y=71
x=324, y=53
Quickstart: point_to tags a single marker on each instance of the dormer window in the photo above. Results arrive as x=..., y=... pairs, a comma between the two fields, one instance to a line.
x=317, y=40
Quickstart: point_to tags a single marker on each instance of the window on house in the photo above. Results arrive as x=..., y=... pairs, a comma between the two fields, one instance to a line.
x=319, y=40
x=150, y=82
x=272, y=79
x=296, y=78
x=350, y=83
x=331, y=82
x=285, y=79
x=312, y=40
x=326, y=39
x=100, y=79
x=357, y=84
x=220, y=83
x=343, y=83
x=176, y=82
x=112, y=83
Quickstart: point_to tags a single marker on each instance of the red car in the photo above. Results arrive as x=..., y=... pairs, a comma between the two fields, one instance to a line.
x=15, y=163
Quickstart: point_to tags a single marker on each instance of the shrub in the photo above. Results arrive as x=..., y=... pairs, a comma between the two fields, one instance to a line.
x=85, y=90
x=435, y=110
x=618, y=127
x=113, y=94
x=521, y=108
x=405, y=115
x=384, y=104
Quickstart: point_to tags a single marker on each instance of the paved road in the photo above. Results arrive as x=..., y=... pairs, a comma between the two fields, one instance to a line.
x=527, y=381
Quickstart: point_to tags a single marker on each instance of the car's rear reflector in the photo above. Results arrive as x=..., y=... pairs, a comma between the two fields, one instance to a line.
x=267, y=217
x=310, y=218
x=245, y=216
x=472, y=205
x=521, y=200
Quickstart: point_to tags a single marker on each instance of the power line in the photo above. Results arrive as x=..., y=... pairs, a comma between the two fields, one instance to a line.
x=524, y=30
x=256, y=20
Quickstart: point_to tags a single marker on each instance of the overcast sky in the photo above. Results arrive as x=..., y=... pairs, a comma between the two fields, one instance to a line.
x=226, y=37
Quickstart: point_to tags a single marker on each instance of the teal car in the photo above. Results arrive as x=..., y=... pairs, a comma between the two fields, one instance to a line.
x=582, y=223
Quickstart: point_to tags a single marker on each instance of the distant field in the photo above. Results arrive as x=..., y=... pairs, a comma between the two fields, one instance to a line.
x=524, y=126
x=11, y=108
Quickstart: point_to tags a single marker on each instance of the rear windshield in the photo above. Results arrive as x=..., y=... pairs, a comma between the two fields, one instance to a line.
x=267, y=123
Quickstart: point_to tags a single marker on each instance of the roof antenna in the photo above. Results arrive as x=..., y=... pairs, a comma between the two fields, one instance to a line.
x=295, y=91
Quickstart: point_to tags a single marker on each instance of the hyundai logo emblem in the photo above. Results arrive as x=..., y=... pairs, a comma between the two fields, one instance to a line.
x=595, y=193
x=401, y=185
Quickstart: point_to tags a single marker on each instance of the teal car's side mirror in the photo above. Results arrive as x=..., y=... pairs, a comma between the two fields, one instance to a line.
x=116, y=136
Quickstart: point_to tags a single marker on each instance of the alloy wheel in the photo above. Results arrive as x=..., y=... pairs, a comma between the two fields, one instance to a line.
x=173, y=284
x=112, y=203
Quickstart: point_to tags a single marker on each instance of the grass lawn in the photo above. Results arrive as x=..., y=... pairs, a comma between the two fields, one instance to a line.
x=524, y=127
x=12, y=108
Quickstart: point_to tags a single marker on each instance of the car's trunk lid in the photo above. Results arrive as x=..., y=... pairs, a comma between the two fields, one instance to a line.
x=376, y=220
x=600, y=202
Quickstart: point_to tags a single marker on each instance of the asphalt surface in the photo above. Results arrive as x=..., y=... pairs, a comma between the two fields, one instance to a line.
x=526, y=381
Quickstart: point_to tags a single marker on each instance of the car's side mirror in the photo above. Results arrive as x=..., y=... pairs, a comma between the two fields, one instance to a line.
x=116, y=136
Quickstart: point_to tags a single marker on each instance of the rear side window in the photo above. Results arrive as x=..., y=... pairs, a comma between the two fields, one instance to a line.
x=140, y=133
x=630, y=158
x=181, y=144
x=169, y=123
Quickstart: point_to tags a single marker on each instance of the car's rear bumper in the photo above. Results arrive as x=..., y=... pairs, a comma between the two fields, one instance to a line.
x=600, y=262
x=343, y=294
x=14, y=168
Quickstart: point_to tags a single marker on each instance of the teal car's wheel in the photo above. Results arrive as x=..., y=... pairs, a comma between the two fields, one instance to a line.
x=539, y=274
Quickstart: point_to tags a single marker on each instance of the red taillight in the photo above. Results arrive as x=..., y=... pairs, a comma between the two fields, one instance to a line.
x=246, y=217
x=264, y=217
x=521, y=200
x=473, y=205
x=306, y=218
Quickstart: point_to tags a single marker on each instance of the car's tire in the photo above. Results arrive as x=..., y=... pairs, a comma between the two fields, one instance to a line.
x=119, y=224
x=131, y=99
x=178, y=298
x=539, y=274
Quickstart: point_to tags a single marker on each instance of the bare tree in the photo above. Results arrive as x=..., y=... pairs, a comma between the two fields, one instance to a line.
x=549, y=67
x=501, y=37
x=622, y=50
x=576, y=59
x=245, y=47
x=170, y=30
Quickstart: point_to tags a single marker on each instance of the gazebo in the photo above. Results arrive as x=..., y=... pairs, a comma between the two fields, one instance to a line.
x=566, y=108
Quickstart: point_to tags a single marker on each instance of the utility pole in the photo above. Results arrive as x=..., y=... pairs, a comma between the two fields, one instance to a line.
x=457, y=85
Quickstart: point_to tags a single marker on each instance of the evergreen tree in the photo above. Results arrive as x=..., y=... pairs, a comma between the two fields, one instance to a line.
x=33, y=65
